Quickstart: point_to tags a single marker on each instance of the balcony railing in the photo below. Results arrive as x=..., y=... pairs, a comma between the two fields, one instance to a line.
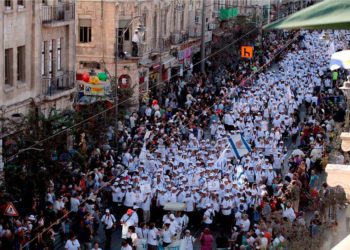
x=56, y=85
x=58, y=13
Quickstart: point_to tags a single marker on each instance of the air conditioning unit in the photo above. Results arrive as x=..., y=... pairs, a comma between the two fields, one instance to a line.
x=212, y=26
x=215, y=14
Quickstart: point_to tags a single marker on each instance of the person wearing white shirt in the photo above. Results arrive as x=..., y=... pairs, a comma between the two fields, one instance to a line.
x=288, y=212
x=72, y=243
x=189, y=240
x=146, y=207
x=208, y=216
x=125, y=246
x=96, y=247
x=58, y=204
x=108, y=221
x=226, y=210
x=130, y=218
x=167, y=234
x=152, y=241
x=245, y=223
x=135, y=41
x=129, y=198
x=142, y=231
x=74, y=203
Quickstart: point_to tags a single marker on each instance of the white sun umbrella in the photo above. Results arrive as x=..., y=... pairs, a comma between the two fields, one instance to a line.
x=340, y=59
x=316, y=153
x=298, y=152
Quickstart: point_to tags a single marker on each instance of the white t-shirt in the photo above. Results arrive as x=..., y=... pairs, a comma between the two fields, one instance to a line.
x=245, y=225
x=167, y=235
x=209, y=214
x=127, y=247
x=72, y=245
x=152, y=237
x=74, y=204
x=108, y=220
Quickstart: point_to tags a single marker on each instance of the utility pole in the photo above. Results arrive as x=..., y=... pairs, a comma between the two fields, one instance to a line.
x=203, y=37
x=116, y=72
x=269, y=13
x=116, y=91
x=161, y=45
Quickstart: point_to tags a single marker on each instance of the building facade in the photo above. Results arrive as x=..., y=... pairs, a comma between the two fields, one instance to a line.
x=37, y=59
x=168, y=38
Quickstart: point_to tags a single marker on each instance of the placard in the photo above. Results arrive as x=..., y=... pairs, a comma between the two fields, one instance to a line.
x=138, y=198
x=146, y=188
x=195, y=180
x=213, y=185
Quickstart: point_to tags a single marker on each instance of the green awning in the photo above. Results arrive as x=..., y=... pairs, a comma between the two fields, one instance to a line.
x=226, y=14
x=328, y=14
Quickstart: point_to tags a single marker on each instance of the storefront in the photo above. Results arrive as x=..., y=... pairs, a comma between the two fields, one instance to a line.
x=167, y=62
x=185, y=54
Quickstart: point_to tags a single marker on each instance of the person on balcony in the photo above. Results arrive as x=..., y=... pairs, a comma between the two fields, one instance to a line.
x=135, y=44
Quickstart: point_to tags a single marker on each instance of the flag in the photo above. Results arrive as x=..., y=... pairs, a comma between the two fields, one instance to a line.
x=239, y=145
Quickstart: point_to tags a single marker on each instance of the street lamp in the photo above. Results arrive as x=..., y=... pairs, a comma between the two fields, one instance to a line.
x=346, y=90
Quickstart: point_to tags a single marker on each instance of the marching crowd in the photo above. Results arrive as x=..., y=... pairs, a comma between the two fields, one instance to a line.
x=183, y=171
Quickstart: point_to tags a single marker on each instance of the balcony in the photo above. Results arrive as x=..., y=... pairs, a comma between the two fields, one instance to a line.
x=56, y=15
x=54, y=87
x=179, y=37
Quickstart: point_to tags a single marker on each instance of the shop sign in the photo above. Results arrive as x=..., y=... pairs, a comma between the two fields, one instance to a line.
x=94, y=89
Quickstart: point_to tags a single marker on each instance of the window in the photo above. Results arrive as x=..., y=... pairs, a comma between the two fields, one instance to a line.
x=44, y=2
x=8, y=4
x=50, y=58
x=21, y=64
x=20, y=3
x=43, y=66
x=59, y=58
x=124, y=29
x=8, y=66
x=84, y=30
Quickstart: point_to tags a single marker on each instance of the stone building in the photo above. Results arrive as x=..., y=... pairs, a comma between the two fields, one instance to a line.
x=37, y=56
x=168, y=35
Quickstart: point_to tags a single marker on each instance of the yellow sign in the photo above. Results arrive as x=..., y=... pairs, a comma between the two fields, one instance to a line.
x=247, y=52
x=92, y=89
x=94, y=80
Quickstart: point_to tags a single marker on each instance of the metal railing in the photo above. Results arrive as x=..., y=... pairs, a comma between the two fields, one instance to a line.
x=58, y=13
x=53, y=86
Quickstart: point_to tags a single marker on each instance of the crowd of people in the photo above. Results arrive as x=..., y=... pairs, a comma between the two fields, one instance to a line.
x=180, y=173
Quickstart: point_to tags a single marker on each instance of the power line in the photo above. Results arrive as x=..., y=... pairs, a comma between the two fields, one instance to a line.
x=57, y=221
x=113, y=106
